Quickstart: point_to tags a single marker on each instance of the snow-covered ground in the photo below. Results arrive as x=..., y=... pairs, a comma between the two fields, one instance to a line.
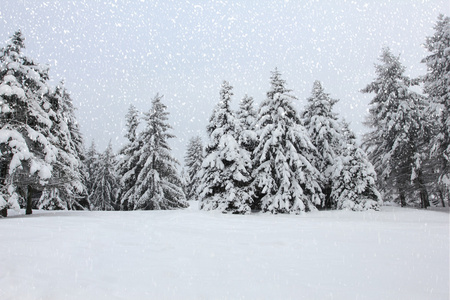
x=188, y=254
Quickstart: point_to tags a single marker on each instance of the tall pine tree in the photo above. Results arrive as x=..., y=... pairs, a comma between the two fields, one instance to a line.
x=157, y=184
x=225, y=171
x=398, y=130
x=436, y=86
x=322, y=125
x=285, y=180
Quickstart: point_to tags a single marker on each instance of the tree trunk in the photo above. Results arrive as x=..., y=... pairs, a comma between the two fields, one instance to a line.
x=29, y=210
x=402, y=199
x=4, y=212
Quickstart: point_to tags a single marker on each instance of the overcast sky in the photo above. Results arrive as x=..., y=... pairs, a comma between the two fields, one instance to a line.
x=116, y=53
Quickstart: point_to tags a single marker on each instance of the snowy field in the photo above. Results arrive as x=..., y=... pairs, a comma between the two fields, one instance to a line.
x=187, y=254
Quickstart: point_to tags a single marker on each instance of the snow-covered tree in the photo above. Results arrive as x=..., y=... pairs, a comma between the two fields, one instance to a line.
x=27, y=153
x=436, y=85
x=285, y=180
x=105, y=182
x=324, y=130
x=193, y=162
x=398, y=130
x=68, y=174
x=247, y=116
x=353, y=178
x=91, y=164
x=157, y=184
x=127, y=161
x=225, y=176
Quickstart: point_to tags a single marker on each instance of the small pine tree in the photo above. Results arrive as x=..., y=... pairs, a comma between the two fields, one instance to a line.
x=157, y=184
x=353, y=177
x=225, y=171
x=285, y=180
x=105, y=182
x=398, y=130
x=193, y=162
x=322, y=125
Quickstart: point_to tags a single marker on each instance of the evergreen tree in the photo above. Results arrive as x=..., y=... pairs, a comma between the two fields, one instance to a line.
x=105, y=182
x=285, y=179
x=193, y=162
x=27, y=153
x=353, y=177
x=127, y=160
x=91, y=163
x=225, y=170
x=436, y=83
x=399, y=128
x=247, y=117
x=324, y=130
x=157, y=185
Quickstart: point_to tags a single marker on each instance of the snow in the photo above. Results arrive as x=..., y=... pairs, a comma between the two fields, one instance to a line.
x=396, y=253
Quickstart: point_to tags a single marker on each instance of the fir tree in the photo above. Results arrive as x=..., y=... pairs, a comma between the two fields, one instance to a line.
x=193, y=162
x=285, y=179
x=353, y=177
x=127, y=160
x=91, y=164
x=398, y=130
x=105, y=182
x=321, y=123
x=27, y=153
x=247, y=117
x=157, y=185
x=436, y=83
x=225, y=170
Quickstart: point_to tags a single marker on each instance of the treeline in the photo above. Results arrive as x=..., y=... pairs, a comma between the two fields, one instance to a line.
x=271, y=158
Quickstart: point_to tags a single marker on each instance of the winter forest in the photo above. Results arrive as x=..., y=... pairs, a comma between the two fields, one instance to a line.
x=270, y=158
x=255, y=152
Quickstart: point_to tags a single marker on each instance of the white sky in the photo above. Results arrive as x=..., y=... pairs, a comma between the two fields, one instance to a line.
x=116, y=53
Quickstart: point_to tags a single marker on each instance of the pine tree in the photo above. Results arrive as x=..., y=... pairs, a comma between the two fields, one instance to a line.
x=27, y=153
x=436, y=83
x=157, y=185
x=193, y=162
x=285, y=179
x=225, y=171
x=353, y=177
x=398, y=130
x=324, y=130
x=247, y=117
x=127, y=161
x=105, y=182
x=91, y=164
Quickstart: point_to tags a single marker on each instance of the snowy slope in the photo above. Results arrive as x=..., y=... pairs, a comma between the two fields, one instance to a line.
x=187, y=254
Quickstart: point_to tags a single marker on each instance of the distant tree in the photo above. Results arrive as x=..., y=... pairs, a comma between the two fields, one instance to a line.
x=193, y=162
x=353, y=178
x=436, y=85
x=395, y=144
x=324, y=130
x=27, y=154
x=285, y=180
x=127, y=161
x=225, y=176
x=157, y=184
x=246, y=116
x=105, y=182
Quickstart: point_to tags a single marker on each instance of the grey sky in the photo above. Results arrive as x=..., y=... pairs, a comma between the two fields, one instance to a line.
x=114, y=53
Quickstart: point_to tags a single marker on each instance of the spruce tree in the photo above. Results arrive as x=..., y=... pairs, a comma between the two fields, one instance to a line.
x=105, y=182
x=285, y=180
x=247, y=117
x=193, y=162
x=225, y=171
x=157, y=184
x=127, y=161
x=324, y=130
x=436, y=86
x=353, y=178
x=398, y=130
x=27, y=153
